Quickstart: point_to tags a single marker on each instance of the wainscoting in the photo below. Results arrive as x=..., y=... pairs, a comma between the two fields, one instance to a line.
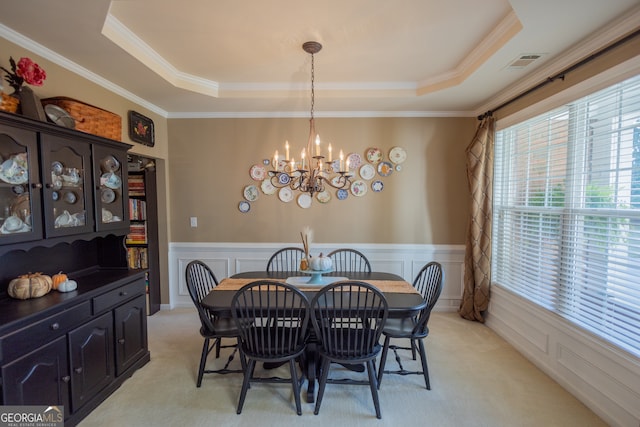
x=226, y=259
x=604, y=378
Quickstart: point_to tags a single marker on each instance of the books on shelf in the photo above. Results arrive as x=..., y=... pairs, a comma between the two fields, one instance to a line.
x=136, y=186
x=137, y=209
x=138, y=258
x=137, y=234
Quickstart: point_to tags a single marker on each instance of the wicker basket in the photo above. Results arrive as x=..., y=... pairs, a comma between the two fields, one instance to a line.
x=90, y=119
x=9, y=103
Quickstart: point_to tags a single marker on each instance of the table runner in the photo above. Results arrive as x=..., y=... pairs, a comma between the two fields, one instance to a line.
x=391, y=286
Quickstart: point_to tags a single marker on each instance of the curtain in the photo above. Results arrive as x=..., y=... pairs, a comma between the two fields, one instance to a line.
x=477, y=271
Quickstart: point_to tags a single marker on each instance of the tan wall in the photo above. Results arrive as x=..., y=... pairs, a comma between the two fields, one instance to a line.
x=425, y=202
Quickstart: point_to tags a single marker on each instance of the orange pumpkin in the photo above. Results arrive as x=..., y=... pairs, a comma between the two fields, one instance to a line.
x=58, y=278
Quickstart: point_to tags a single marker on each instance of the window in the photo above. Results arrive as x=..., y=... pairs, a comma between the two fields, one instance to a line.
x=566, y=230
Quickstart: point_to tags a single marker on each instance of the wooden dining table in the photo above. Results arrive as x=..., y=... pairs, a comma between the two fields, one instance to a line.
x=402, y=298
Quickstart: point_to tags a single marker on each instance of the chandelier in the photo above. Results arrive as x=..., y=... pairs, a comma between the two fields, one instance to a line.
x=312, y=174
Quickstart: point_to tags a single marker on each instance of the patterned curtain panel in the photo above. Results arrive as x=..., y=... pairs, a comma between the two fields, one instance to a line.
x=477, y=274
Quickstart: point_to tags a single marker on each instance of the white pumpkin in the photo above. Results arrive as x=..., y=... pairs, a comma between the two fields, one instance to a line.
x=67, y=286
x=320, y=263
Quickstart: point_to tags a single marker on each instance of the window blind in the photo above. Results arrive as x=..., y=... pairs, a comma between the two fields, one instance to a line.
x=566, y=231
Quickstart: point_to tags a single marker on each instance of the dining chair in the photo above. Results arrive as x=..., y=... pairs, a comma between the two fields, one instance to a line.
x=349, y=260
x=200, y=281
x=348, y=318
x=285, y=259
x=272, y=318
x=428, y=283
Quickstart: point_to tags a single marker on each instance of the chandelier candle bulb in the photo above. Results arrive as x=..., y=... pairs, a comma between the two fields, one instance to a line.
x=329, y=153
x=302, y=154
x=317, y=145
x=286, y=147
x=275, y=160
x=341, y=161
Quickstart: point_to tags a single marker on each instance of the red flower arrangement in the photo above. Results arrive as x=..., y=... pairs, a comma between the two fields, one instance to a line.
x=25, y=71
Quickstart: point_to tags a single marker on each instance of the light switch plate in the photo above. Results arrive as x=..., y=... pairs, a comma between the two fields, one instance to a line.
x=194, y=221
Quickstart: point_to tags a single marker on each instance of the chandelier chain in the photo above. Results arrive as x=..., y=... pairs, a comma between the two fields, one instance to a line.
x=312, y=85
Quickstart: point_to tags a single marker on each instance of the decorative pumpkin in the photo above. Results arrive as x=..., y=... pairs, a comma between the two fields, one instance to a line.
x=32, y=285
x=320, y=263
x=67, y=286
x=58, y=278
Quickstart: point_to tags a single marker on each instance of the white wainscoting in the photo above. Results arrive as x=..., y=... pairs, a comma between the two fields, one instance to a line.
x=604, y=378
x=226, y=259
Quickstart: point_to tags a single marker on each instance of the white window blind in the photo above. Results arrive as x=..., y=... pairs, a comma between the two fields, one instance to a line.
x=567, y=212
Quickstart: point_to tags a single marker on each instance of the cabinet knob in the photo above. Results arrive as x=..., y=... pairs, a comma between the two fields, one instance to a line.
x=47, y=185
x=78, y=370
x=66, y=378
x=36, y=185
x=123, y=293
x=55, y=326
x=121, y=341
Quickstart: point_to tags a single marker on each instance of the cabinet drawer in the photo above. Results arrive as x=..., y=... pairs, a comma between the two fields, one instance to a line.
x=40, y=333
x=117, y=296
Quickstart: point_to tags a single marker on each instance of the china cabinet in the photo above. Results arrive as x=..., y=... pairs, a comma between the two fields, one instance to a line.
x=64, y=207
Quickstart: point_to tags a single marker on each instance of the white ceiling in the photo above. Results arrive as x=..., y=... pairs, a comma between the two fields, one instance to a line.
x=218, y=58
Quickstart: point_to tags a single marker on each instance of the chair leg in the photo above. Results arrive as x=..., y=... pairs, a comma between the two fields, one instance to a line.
x=423, y=358
x=323, y=383
x=295, y=385
x=383, y=359
x=374, y=387
x=203, y=361
x=413, y=349
x=245, y=384
x=218, y=345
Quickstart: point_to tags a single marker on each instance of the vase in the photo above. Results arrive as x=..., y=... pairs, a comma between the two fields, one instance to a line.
x=9, y=103
x=30, y=104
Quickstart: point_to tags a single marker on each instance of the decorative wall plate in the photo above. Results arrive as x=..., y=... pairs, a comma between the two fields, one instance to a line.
x=355, y=160
x=284, y=179
x=385, y=168
x=358, y=188
x=323, y=196
x=374, y=155
x=367, y=171
x=244, y=206
x=397, y=155
x=377, y=186
x=250, y=193
x=285, y=194
x=257, y=172
x=267, y=187
x=342, y=194
x=304, y=201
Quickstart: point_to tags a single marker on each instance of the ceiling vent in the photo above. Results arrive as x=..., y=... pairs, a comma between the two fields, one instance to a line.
x=523, y=61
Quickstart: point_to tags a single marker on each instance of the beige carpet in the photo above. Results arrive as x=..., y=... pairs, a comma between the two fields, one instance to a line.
x=477, y=379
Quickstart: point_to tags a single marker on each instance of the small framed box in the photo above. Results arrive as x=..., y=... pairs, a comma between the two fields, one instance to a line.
x=141, y=129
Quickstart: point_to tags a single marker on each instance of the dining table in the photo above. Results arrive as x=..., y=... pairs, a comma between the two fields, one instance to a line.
x=402, y=299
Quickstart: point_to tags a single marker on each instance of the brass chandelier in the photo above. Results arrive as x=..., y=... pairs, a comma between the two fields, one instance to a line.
x=312, y=174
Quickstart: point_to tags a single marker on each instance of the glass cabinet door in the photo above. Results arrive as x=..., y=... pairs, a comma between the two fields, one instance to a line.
x=68, y=204
x=110, y=178
x=20, y=185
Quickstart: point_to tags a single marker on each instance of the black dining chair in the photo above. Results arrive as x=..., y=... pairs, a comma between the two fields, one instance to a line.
x=348, y=318
x=428, y=283
x=272, y=318
x=349, y=260
x=200, y=281
x=285, y=259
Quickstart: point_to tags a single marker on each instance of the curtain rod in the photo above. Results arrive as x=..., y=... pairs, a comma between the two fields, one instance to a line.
x=562, y=73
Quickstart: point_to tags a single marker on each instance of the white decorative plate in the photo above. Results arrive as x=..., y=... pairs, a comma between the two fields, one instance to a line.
x=250, y=193
x=397, y=155
x=257, y=172
x=304, y=201
x=267, y=187
x=283, y=178
x=377, y=186
x=359, y=188
x=323, y=196
x=367, y=171
x=244, y=206
x=385, y=168
x=285, y=194
x=355, y=160
x=374, y=155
